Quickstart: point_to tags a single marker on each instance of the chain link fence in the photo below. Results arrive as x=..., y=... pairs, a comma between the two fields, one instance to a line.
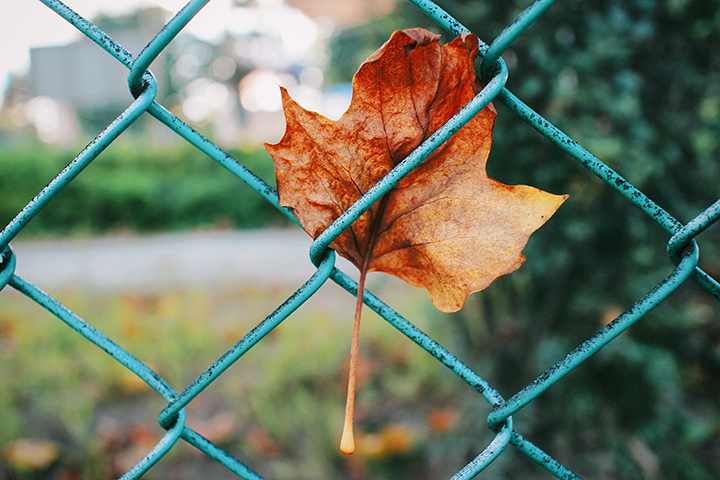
x=681, y=247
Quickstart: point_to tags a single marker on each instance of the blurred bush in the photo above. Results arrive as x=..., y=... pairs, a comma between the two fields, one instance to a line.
x=144, y=189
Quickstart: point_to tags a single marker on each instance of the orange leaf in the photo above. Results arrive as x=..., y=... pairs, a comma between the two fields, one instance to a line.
x=445, y=227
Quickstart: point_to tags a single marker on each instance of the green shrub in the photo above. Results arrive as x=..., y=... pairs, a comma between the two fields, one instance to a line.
x=138, y=188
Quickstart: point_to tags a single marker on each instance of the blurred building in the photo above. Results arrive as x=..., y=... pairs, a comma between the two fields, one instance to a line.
x=225, y=85
x=84, y=75
x=76, y=88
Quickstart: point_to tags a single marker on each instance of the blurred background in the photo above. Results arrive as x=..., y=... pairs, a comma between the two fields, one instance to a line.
x=636, y=82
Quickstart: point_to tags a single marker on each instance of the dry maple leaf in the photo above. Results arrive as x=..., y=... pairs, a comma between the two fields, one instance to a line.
x=446, y=226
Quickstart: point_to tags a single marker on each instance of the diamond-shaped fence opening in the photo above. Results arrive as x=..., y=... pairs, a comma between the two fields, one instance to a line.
x=681, y=248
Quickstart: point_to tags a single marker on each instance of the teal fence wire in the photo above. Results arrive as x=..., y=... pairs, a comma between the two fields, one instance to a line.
x=682, y=248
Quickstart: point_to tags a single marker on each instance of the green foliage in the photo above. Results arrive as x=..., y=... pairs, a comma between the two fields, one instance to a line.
x=637, y=84
x=148, y=189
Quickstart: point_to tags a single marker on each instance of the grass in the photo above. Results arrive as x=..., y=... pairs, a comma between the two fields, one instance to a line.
x=278, y=409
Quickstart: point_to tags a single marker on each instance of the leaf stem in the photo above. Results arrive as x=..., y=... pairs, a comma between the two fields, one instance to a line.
x=347, y=442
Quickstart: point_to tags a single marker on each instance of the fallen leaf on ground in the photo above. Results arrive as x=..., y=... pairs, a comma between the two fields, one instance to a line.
x=31, y=454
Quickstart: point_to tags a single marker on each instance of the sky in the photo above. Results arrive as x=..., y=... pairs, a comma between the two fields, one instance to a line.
x=28, y=23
